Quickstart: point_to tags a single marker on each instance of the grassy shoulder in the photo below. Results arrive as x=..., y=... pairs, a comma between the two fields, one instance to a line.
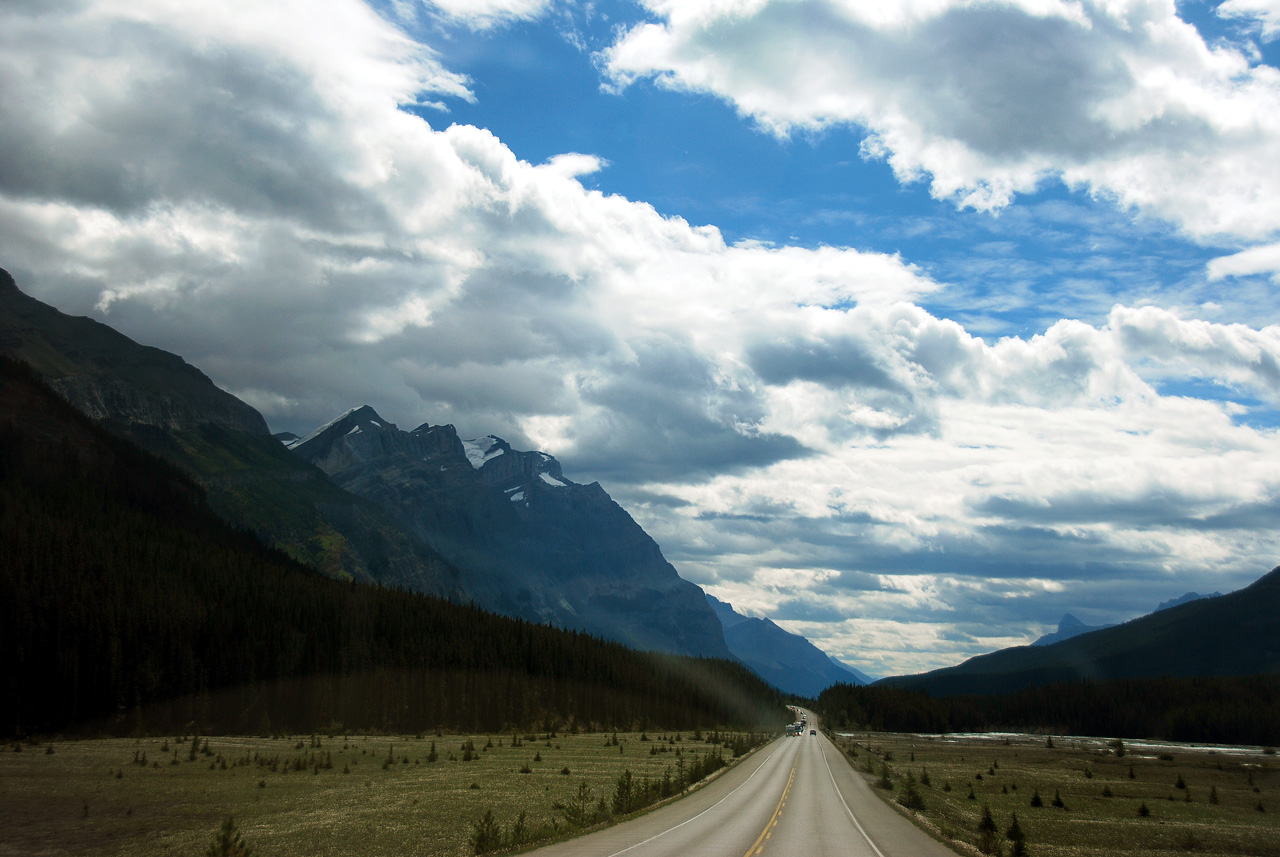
x=1076, y=796
x=318, y=795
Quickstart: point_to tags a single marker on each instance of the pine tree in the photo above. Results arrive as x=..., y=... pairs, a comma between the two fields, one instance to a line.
x=1015, y=835
x=986, y=831
x=228, y=842
x=911, y=797
x=486, y=834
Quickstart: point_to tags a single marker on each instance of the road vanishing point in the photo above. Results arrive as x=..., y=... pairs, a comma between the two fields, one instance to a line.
x=796, y=797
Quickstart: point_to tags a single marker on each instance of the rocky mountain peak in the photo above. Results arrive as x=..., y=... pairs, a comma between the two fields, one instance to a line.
x=528, y=541
x=1068, y=622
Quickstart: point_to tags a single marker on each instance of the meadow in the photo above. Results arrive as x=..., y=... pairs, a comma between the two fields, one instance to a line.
x=1079, y=797
x=318, y=795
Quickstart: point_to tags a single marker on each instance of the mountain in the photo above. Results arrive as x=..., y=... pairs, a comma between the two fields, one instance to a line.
x=528, y=541
x=162, y=403
x=128, y=607
x=858, y=676
x=1237, y=634
x=1068, y=627
x=787, y=661
x=1183, y=599
x=108, y=376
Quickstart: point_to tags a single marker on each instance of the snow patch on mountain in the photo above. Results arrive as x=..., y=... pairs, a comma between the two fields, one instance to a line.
x=482, y=449
x=324, y=428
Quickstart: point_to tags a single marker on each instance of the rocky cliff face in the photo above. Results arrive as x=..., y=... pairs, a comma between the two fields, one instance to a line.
x=527, y=541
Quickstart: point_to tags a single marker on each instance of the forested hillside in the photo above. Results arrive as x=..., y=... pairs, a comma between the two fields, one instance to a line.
x=1237, y=634
x=126, y=604
x=1234, y=709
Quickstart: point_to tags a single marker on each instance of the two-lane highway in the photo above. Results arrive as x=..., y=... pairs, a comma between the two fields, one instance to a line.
x=794, y=798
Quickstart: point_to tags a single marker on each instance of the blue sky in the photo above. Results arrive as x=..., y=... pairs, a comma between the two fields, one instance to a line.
x=911, y=325
x=538, y=86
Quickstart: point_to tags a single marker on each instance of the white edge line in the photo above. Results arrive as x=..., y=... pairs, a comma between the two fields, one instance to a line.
x=713, y=806
x=852, y=817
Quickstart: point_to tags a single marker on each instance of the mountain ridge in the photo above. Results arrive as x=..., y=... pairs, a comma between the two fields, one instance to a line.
x=788, y=661
x=173, y=410
x=1235, y=634
x=533, y=543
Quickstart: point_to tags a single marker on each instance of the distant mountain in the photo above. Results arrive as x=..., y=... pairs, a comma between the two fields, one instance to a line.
x=162, y=403
x=1237, y=634
x=1183, y=599
x=1068, y=627
x=528, y=541
x=859, y=677
x=787, y=661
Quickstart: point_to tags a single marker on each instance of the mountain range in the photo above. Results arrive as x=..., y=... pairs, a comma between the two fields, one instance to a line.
x=128, y=607
x=472, y=520
x=533, y=543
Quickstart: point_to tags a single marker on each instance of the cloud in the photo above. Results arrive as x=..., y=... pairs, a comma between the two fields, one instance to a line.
x=1256, y=260
x=989, y=100
x=1265, y=14
x=482, y=14
x=241, y=184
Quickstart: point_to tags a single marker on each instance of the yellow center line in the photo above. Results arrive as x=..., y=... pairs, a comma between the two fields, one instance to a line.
x=767, y=833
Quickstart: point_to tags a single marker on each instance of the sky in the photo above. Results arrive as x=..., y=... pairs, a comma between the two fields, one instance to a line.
x=911, y=325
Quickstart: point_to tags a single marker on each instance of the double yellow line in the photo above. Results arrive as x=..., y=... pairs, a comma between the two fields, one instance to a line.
x=759, y=844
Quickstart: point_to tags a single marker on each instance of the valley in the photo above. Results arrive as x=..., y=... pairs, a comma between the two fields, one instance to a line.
x=383, y=795
x=1091, y=792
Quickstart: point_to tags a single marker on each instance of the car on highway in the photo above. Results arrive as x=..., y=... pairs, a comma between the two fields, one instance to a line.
x=813, y=731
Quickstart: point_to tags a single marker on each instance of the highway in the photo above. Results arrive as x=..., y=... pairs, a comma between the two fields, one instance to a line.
x=796, y=797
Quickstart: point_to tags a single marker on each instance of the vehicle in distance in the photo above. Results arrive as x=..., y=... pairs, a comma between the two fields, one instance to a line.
x=813, y=731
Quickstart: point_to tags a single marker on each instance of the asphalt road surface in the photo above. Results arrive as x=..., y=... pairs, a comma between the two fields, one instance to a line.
x=796, y=797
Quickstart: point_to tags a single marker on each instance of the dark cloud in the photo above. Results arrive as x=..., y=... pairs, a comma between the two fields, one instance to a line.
x=833, y=362
x=668, y=417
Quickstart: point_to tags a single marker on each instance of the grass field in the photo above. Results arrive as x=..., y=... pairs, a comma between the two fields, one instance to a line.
x=1215, y=810
x=356, y=795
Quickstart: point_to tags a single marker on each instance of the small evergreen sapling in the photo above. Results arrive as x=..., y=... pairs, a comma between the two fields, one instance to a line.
x=987, y=840
x=228, y=842
x=1015, y=835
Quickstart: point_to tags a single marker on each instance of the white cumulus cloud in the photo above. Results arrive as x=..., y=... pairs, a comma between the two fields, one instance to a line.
x=988, y=100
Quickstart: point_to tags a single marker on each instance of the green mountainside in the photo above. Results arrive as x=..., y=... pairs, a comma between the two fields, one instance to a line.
x=127, y=605
x=1237, y=634
x=172, y=409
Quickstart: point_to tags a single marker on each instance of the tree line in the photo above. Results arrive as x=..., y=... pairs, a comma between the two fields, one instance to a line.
x=127, y=605
x=1226, y=710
